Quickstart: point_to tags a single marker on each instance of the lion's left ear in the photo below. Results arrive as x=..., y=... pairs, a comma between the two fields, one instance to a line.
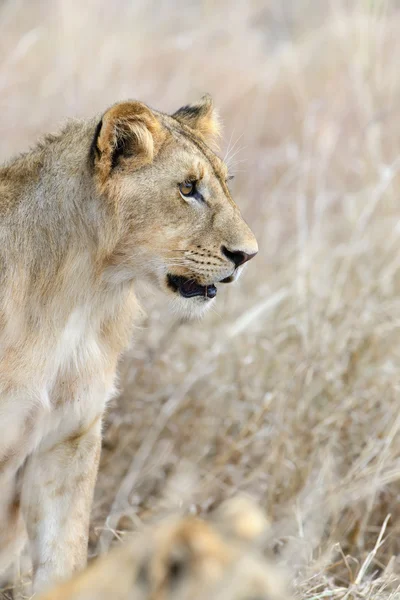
x=202, y=118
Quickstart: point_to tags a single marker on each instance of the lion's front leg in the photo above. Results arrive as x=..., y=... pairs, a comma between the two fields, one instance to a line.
x=12, y=531
x=56, y=501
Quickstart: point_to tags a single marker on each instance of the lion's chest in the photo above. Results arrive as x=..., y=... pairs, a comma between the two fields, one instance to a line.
x=67, y=379
x=79, y=379
x=77, y=344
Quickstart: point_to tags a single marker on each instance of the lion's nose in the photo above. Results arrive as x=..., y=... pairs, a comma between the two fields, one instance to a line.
x=238, y=257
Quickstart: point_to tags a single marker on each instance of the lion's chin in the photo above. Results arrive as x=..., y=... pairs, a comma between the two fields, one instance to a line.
x=189, y=308
x=188, y=299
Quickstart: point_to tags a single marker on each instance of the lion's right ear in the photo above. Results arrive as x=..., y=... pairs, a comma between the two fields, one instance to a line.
x=128, y=136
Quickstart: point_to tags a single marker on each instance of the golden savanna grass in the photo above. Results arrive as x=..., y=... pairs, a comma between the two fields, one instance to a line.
x=289, y=390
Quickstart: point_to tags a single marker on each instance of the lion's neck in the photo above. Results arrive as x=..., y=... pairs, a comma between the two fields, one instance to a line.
x=56, y=234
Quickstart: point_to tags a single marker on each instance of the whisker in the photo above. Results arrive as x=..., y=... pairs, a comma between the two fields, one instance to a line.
x=228, y=155
x=229, y=146
x=215, y=311
x=229, y=161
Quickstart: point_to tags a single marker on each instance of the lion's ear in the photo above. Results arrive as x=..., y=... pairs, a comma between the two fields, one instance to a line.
x=242, y=518
x=129, y=135
x=201, y=117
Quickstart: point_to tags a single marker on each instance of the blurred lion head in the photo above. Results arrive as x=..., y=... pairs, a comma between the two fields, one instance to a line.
x=185, y=559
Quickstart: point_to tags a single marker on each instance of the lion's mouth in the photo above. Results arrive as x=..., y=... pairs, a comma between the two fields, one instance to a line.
x=228, y=279
x=189, y=288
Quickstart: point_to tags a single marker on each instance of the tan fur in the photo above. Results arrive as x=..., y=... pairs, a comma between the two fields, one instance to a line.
x=184, y=559
x=83, y=216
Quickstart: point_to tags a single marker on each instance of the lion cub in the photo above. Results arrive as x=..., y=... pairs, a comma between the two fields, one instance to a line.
x=185, y=559
x=135, y=194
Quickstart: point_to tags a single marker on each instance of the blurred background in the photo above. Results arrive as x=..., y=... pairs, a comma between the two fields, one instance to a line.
x=289, y=389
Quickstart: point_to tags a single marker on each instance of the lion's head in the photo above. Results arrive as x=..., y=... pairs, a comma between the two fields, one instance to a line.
x=186, y=558
x=178, y=226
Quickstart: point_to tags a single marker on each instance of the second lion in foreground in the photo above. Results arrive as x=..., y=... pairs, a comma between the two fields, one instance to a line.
x=218, y=558
x=133, y=195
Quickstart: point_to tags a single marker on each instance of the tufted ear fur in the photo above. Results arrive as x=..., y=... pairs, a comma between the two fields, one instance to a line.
x=201, y=117
x=129, y=135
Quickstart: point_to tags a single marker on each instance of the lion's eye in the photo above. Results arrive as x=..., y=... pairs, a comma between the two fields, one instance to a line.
x=187, y=188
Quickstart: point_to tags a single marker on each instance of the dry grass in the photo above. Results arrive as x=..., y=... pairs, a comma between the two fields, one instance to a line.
x=291, y=390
